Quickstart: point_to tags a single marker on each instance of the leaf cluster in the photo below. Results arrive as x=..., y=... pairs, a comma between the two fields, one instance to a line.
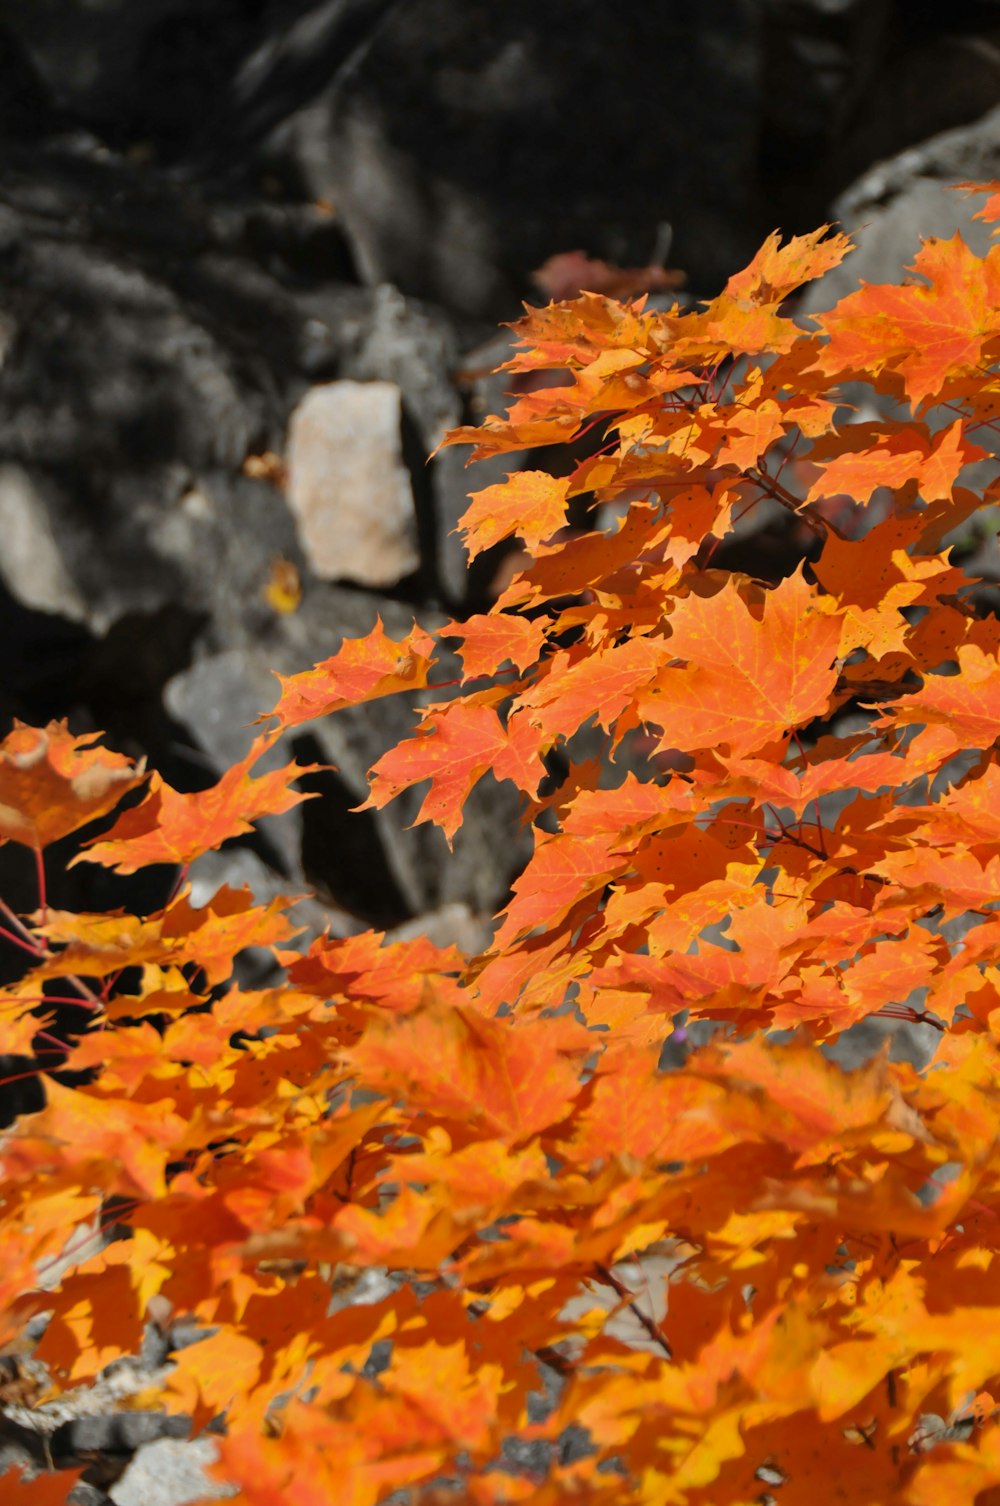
x=453, y=1224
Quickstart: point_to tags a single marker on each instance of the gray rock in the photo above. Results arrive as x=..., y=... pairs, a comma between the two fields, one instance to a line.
x=170, y=1473
x=88, y=1495
x=945, y=77
x=414, y=345
x=129, y=399
x=20, y=1449
x=219, y=698
x=114, y=1433
x=348, y=485
x=970, y=152
x=462, y=154
x=452, y=925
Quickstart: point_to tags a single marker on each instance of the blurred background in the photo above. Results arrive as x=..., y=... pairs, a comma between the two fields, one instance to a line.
x=254, y=256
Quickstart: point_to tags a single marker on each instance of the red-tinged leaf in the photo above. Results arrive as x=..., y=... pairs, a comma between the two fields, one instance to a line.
x=797, y=788
x=928, y=333
x=80, y=1127
x=889, y=971
x=97, y=1319
x=453, y=748
x=969, y=814
x=578, y=686
x=813, y=1099
x=437, y=1379
x=130, y=1057
x=470, y=1071
x=43, y=1490
x=490, y=643
x=170, y=827
x=864, y=457
x=563, y=870
x=411, y=1232
x=486, y=1176
x=990, y=211
x=569, y=273
x=585, y=560
x=747, y=680
x=356, y=1455
x=52, y=783
x=964, y=706
x=954, y=881
x=529, y=504
x=363, y=669
x=747, y=432
x=19, y=1025
x=367, y=968
x=632, y=808
x=636, y=1111
x=744, y=319
x=574, y=333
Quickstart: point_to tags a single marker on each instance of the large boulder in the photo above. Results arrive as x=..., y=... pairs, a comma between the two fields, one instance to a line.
x=913, y=196
x=467, y=144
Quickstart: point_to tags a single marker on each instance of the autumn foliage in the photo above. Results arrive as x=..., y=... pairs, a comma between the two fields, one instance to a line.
x=754, y=1277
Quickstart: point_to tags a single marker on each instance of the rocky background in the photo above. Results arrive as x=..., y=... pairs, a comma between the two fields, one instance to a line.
x=253, y=257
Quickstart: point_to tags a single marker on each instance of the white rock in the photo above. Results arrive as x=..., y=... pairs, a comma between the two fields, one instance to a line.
x=348, y=486
x=170, y=1472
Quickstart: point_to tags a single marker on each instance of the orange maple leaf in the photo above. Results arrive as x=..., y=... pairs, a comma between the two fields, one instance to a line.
x=530, y=504
x=52, y=783
x=363, y=669
x=746, y=681
x=171, y=827
x=928, y=333
x=453, y=748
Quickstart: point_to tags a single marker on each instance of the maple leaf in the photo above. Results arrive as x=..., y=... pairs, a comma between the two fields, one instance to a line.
x=368, y=967
x=568, y=273
x=866, y=456
x=778, y=270
x=363, y=669
x=46, y=1489
x=601, y=684
x=963, y=706
x=747, y=681
x=171, y=827
x=490, y=642
x=213, y=1373
x=511, y=1081
x=437, y=1380
x=563, y=870
x=530, y=504
x=52, y=783
x=928, y=333
x=453, y=748
x=743, y=320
